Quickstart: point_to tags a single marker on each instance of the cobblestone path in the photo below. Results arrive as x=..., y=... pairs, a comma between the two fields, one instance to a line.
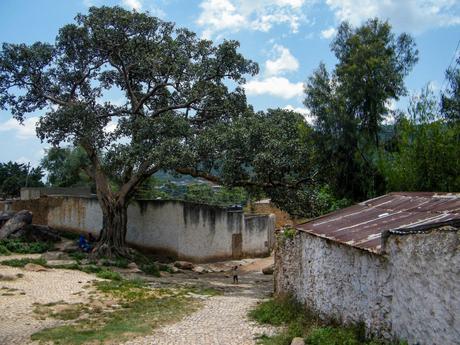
x=221, y=321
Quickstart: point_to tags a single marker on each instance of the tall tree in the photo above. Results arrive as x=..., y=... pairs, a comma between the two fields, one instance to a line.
x=349, y=104
x=13, y=176
x=65, y=166
x=450, y=99
x=178, y=112
x=172, y=83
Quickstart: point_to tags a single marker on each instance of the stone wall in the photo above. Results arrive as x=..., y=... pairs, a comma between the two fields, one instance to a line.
x=179, y=229
x=426, y=280
x=410, y=293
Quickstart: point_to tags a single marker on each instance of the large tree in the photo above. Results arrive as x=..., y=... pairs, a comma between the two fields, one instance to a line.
x=169, y=86
x=172, y=108
x=350, y=103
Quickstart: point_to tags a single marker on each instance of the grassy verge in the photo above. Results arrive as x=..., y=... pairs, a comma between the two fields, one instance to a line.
x=8, y=246
x=140, y=310
x=296, y=321
x=23, y=262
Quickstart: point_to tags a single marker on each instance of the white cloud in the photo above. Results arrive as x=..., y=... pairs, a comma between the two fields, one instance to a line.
x=274, y=86
x=132, y=4
x=328, y=33
x=408, y=15
x=285, y=62
x=218, y=16
x=304, y=111
x=24, y=131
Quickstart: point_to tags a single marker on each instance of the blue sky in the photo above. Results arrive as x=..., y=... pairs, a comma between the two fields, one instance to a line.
x=288, y=38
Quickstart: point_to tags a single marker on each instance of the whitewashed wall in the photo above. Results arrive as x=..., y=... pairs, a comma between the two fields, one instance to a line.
x=184, y=230
x=410, y=293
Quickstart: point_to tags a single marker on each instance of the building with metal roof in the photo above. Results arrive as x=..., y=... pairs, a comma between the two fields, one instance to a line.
x=365, y=224
x=392, y=263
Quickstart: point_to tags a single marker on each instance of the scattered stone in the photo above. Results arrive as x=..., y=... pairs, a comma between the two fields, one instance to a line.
x=298, y=341
x=34, y=267
x=50, y=256
x=185, y=265
x=175, y=269
x=199, y=269
x=268, y=270
x=53, y=263
x=7, y=277
x=133, y=268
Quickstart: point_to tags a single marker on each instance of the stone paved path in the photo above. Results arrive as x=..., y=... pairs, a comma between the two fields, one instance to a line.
x=221, y=321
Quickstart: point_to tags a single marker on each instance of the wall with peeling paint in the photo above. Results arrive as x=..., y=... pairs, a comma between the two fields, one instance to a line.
x=411, y=292
x=179, y=229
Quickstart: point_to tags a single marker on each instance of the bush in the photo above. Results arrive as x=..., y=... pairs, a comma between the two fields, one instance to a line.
x=21, y=247
x=4, y=250
x=107, y=274
x=333, y=336
x=151, y=269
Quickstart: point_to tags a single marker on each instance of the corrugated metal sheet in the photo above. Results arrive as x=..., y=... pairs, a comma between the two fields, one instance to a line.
x=362, y=225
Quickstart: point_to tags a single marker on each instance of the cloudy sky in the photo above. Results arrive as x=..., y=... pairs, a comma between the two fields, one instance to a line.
x=288, y=38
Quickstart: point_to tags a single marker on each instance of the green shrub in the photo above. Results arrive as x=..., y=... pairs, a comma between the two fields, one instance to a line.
x=151, y=269
x=78, y=256
x=4, y=250
x=333, y=336
x=118, y=262
x=23, y=262
x=23, y=247
x=107, y=274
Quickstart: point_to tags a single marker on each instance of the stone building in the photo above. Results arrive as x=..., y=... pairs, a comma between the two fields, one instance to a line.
x=392, y=263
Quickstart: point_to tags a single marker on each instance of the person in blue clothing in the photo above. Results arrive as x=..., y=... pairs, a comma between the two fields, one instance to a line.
x=83, y=244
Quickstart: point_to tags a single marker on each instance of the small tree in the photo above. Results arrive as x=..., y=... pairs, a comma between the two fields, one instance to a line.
x=170, y=87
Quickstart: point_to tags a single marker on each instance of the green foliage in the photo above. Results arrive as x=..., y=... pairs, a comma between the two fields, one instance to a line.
x=204, y=193
x=65, y=166
x=142, y=313
x=23, y=262
x=13, y=176
x=25, y=247
x=150, y=269
x=349, y=104
x=297, y=321
x=4, y=250
x=450, y=99
x=108, y=274
x=426, y=149
x=289, y=233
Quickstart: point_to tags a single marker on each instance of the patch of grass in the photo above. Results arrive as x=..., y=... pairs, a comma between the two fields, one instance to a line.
x=151, y=269
x=24, y=247
x=107, y=274
x=65, y=312
x=23, y=262
x=4, y=250
x=297, y=321
x=207, y=291
x=78, y=256
x=128, y=290
x=143, y=310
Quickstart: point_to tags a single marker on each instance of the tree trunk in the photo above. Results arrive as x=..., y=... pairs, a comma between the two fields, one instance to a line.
x=112, y=238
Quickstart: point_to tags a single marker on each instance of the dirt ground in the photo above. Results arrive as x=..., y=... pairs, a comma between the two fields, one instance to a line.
x=222, y=320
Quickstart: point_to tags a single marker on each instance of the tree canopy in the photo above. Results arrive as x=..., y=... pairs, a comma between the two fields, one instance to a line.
x=139, y=96
x=350, y=103
x=13, y=176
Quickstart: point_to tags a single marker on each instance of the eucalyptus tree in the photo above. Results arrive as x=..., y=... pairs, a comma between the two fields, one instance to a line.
x=167, y=87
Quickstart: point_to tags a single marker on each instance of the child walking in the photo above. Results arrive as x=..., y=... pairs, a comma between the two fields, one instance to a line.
x=235, y=274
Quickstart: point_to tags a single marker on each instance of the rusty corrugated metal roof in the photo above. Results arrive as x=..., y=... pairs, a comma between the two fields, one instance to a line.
x=363, y=224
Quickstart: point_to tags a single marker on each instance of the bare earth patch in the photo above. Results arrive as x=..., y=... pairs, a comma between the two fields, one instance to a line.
x=17, y=318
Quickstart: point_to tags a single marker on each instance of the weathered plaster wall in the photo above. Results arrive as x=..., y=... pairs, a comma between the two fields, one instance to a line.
x=337, y=281
x=426, y=280
x=410, y=293
x=254, y=229
x=184, y=230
